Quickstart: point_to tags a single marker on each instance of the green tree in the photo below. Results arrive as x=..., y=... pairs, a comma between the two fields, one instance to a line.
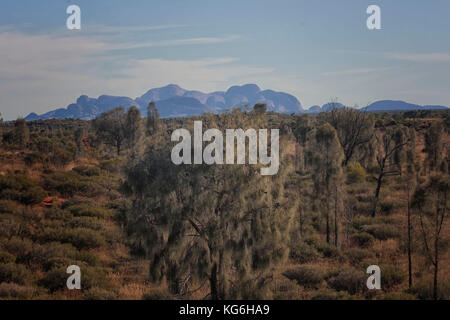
x=434, y=145
x=222, y=225
x=21, y=133
x=133, y=127
x=328, y=172
x=110, y=127
x=260, y=108
x=78, y=136
x=153, y=122
x=301, y=131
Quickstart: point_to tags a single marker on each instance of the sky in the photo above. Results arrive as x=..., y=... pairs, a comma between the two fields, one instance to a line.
x=315, y=50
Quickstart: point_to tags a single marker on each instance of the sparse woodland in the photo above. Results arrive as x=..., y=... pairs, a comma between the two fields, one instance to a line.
x=353, y=189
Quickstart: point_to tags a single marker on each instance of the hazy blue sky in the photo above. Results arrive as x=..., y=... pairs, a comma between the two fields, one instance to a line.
x=316, y=50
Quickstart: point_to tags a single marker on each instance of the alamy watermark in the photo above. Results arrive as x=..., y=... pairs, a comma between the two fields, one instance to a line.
x=74, y=281
x=374, y=20
x=374, y=281
x=213, y=152
x=73, y=22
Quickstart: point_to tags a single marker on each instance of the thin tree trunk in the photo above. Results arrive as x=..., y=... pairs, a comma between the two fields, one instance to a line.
x=213, y=283
x=328, y=222
x=336, y=228
x=435, y=280
x=436, y=256
x=220, y=283
x=377, y=193
x=301, y=221
x=409, y=243
x=118, y=145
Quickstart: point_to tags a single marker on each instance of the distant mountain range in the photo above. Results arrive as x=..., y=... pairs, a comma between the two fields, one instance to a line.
x=396, y=105
x=174, y=101
x=378, y=106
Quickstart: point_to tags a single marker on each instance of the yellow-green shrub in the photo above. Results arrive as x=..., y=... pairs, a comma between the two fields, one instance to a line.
x=355, y=173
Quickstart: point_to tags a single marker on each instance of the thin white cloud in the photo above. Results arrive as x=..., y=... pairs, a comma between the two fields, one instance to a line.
x=350, y=72
x=25, y=57
x=421, y=57
x=175, y=42
x=119, y=29
x=429, y=57
x=208, y=74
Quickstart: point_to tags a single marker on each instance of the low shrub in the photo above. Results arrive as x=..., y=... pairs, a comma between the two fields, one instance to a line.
x=399, y=296
x=42, y=254
x=383, y=231
x=386, y=206
x=303, y=253
x=359, y=188
x=55, y=279
x=88, y=258
x=19, y=247
x=363, y=239
x=57, y=262
x=55, y=213
x=17, y=273
x=112, y=165
x=95, y=277
x=350, y=280
x=81, y=238
x=424, y=290
x=312, y=241
x=11, y=226
x=88, y=171
x=355, y=173
x=361, y=208
x=79, y=201
x=15, y=291
x=22, y=189
x=66, y=183
x=368, y=198
x=356, y=255
x=7, y=206
x=251, y=289
x=157, y=294
x=33, y=158
x=360, y=223
x=70, y=183
x=87, y=211
x=391, y=276
x=6, y=257
x=306, y=276
x=328, y=250
x=60, y=157
x=329, y=294
x=285, y=289
x=120, y=208
x=87, y=222
x=99, y=294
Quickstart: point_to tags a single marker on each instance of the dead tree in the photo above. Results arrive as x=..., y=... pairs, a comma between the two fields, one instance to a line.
x=431, y=203
x=354, y=128
x=391, y=142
